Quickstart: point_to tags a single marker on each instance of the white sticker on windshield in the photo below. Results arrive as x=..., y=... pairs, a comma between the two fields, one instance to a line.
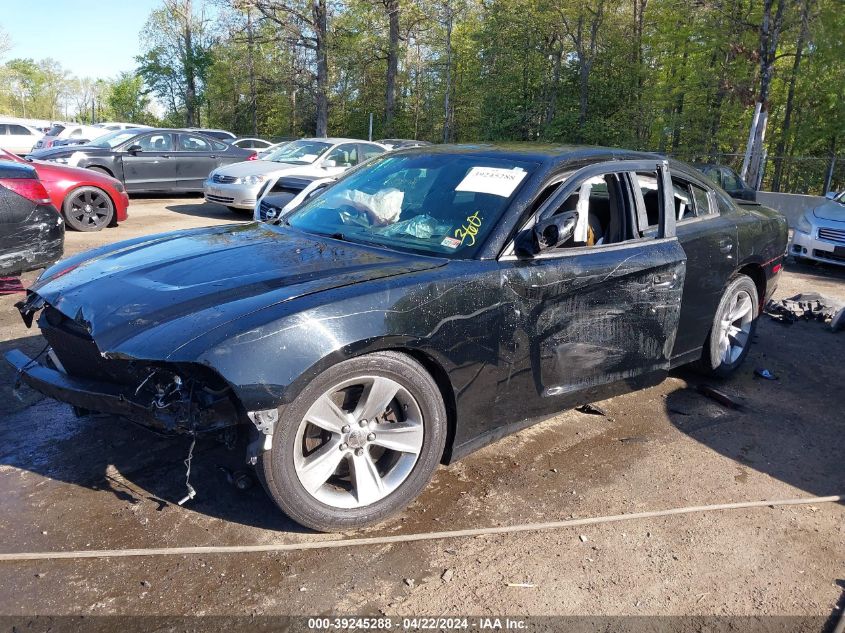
x=492, y=180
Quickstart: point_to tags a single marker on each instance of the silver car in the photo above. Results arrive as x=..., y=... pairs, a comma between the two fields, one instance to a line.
x=238, y=186
x=820, y=233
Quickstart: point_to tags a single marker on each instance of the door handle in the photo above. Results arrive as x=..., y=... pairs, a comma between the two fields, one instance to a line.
x=725, y=245
x=213, y=156
x=666, y=280
x=165, y=156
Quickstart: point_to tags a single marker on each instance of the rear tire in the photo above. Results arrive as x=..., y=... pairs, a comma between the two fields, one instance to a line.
x=376, y=458
x=732, y=330
x=88, y=209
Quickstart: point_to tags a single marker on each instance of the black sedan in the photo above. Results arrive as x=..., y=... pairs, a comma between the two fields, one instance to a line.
x=150, y=160
x=32, y=232
x=729, y=180
x=426, y=304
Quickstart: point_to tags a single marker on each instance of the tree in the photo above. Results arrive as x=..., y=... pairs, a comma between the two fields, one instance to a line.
x=127, y=99
x=176, y=42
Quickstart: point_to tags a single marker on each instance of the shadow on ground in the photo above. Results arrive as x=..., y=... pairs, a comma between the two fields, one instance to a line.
x=787, y=428
x=204, y=209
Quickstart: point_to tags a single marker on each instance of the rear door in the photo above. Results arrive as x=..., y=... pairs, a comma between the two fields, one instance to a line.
x=197, y=157
x=602, y=308
x=153, y=167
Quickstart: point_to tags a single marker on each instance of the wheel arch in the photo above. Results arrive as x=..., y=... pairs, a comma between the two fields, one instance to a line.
x=755, y=271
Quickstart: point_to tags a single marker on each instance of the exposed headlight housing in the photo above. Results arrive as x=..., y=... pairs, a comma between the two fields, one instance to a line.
x=804, y=225
x=252, y=180
x=64, y=160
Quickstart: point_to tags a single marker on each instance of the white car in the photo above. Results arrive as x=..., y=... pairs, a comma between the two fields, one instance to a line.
x=18, y=138
x=111, y=126
x=68, y=131
x=237, y=186
x=820, y=233
x=258, y=144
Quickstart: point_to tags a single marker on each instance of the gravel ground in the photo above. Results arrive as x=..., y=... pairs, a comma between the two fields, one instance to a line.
x=100, y=483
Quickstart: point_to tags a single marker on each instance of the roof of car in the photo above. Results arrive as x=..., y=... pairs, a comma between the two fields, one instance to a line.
x=535, y=152
x=335, y=140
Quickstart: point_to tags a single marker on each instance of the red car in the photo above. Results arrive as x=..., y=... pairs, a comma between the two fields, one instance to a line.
x=87, y=199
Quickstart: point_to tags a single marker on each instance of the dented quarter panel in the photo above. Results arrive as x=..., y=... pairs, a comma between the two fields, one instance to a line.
x=31, y=235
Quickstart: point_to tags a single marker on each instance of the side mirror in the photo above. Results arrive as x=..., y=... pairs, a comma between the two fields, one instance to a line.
x=329, y=163
x=549, y=233
x=134, y=149
x=830, y=195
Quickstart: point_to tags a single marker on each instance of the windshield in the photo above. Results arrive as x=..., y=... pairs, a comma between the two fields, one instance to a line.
x=840, y=198
x=299, y=152
x=113, y=139
x=437, y=204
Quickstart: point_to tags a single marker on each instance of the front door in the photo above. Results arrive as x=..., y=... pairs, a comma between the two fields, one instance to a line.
x=600, y=308
x=151, y=167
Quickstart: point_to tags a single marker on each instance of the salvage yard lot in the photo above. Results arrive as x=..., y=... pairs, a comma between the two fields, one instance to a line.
x=100, y=483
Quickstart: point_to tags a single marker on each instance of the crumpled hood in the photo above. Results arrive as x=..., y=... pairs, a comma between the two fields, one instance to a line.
x=65, y=151
x=830, y=211
x=145, y=298
x=255, y=167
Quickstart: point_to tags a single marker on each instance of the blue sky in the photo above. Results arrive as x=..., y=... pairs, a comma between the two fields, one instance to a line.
x=90, y=38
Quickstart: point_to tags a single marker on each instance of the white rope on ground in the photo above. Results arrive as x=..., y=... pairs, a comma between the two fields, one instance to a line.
x=407, y=538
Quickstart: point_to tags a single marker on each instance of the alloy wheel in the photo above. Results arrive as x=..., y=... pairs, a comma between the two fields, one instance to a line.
x=358, y=442
x=735, y=327
x=89, y=210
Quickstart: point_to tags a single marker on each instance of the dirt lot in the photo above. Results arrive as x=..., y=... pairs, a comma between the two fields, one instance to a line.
x=99, y=483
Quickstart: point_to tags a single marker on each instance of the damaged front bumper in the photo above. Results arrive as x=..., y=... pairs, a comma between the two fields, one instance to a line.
x=191, y=412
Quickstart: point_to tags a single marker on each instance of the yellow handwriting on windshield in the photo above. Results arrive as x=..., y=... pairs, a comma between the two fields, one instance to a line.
x=469, y=230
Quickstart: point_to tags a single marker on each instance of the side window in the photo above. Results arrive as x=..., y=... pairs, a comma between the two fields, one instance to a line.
x=724, y=203
x=602, y=212
x=220, y=146
x=649, y=187
x=370, y=151
x=156, y=143
x=730, y=181
x=702, y=201
x=344, y=155
x=682, y=196
x=19, y=130
x=4, y=129
x=189, y=143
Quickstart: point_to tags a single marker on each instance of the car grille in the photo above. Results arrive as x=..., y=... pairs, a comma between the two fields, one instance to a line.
x=828, y=255
x=223, y=180
x=267, y=210
x=219, y=199
x=834, y=235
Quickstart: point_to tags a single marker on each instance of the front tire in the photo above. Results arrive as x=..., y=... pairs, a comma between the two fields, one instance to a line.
x=358, y=444
x=732, y=330
x=88, y=209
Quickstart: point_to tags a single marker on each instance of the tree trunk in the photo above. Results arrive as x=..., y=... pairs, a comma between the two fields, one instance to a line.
x=639, y=21
x=770, y=27
x=787, y=116
x=250, y=60
x=190, y=73
x=392, y=7
x=447, y=99
x=321, y=28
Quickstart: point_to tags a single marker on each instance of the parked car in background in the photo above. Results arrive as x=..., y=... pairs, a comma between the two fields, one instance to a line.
x=252, y=143
x=728, y=180
x=220, y=135
x=421, y=307
x=150, y=159
x=264, y=153
x=95, y=131
x=111, y=126
x=67, y=131
x=284, y=193
x=820, y=233
x=401, y=143
x=18, y=138
x=32, y=232
x=89, y=201
x=237, y=186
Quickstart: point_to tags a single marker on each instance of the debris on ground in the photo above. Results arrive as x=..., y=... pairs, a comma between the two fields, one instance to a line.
x=447, y=575
x=591, y=409
x=526, y=585
x=409, y=582
x=807, y=306
x=719, y=396
x=583, y=538
x=765, y=373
